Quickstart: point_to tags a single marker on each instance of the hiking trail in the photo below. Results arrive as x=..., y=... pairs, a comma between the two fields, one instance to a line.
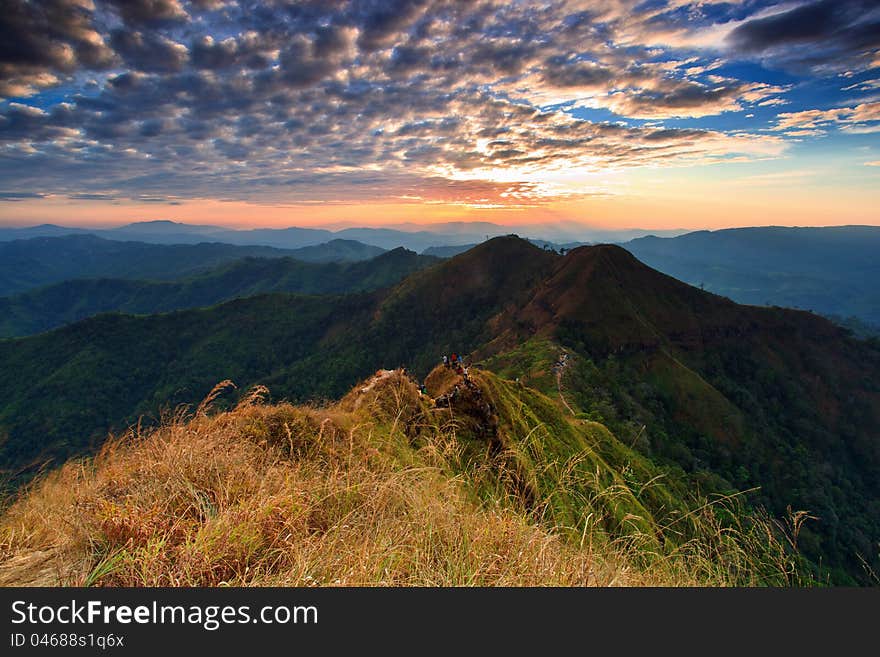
x=558, y=368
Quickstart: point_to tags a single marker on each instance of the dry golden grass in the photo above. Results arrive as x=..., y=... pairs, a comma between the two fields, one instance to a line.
x=293, y=496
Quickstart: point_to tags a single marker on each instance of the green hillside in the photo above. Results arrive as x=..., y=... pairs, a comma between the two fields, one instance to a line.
x=728, y=397
x=737, y=396
x=40, y=261
x=49, y=307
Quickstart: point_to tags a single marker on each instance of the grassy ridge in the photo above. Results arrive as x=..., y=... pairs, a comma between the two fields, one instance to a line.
x=381, y=488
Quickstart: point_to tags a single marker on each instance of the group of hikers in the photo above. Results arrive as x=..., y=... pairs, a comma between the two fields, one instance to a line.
x=455, y=362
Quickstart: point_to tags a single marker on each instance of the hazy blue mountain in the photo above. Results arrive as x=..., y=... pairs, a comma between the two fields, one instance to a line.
x=338, y=250
x=43, y=230
x=832, y=270
x=284, y=238
x=46, y=308
x=558, y=232
x=415, y=240
x=171, y=232
x=40, y=261
x=165, y=227
x=415, y=237
x=447, y=251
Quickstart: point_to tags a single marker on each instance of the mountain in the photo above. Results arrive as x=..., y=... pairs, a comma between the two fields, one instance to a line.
x=728, y=398
x=513, y=492
x=737, y=396
x=338, y=250
x=40, y=261
x=62, y=303
x=283, y=238
x=35, y=262
x=412, y=236
x=451, y=251
x=447, y=251
x=164, y=227
x=43, y=230
x=172, y=232
x=829, y=270
x=559, y=231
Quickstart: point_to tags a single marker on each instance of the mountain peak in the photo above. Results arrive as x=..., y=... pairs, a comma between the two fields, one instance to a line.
x=153, y=223
x=162, y=226
x=398, y=251
x=609, y=252
x=501, y=247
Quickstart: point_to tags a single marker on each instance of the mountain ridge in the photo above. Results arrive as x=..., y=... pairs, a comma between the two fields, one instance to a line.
x=39, y=261
x=413, y=236
x=509, y=493
x=828, y=270
x=735, y=397
x=46, y=308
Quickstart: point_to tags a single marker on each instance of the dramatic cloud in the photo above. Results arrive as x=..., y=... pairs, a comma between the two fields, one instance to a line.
x=148, y=52
x=479, y=102
x=42, y=39
x=828, y=34
x=149, y=12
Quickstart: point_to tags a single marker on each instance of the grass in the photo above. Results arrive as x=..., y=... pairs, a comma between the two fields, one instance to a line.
x=381, y=488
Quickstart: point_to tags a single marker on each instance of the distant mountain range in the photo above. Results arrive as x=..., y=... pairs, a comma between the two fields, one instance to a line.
x=30, y=263
x=832, y=271
x=72, y=300
x=728, y=397
x=410, y=236
x=827, y=270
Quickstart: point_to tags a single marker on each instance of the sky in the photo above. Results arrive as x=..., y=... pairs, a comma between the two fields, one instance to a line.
x=614, y=114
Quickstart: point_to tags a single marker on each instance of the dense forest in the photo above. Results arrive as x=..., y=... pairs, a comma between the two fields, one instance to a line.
x=48, y=307
x=39, y=261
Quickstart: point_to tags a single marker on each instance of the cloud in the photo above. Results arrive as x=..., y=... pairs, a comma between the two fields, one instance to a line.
x=19, y=196
x=151, y=13
x=41, y=39
x=824, y=34
x=381, y=22
x=862, y=118
x=865, y=85
x=85, y=196
x=352, y=99
x=578, y=74
x=248, y=50
x=674, y=98
x=148, y=52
